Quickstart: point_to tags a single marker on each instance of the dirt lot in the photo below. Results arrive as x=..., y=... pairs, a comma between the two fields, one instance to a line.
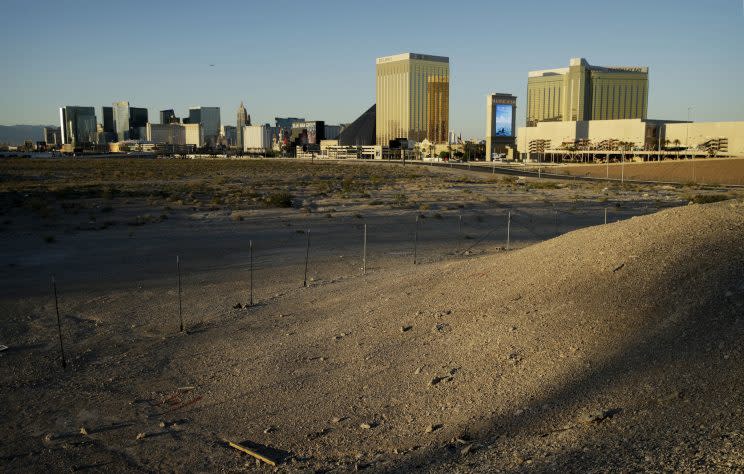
x=706, y=171
x=613, y=347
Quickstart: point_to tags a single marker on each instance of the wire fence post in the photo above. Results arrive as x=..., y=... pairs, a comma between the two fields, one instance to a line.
x=364, y=252
x=59, y=324
x=605, y=212
x=307, y=257
x=508, y=230
x=180, y=310
x=555, y=221
x=415, y=240
x=250, y=250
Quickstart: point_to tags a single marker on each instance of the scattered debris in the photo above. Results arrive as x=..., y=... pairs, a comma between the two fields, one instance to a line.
x=251, y=452
x=599, y=416
x=433, y=427
x=3, y=347
x=367, y=426
x=405, y=328
x=83, y=431
x=618, y=267
x=338, y=419
x=238, y=306
x=140, y=436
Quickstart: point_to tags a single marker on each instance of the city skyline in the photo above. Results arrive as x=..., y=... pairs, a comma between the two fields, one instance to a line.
x=277, y=78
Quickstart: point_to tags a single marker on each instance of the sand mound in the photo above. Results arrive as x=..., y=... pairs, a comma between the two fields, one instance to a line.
x=617, y=346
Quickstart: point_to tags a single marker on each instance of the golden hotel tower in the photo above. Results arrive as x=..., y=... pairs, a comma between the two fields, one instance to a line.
x=412, y=98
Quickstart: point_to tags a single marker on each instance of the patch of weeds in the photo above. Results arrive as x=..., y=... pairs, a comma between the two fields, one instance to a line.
x=376, y=202
x=708, y=198
x=400, y=200
x=278, y=199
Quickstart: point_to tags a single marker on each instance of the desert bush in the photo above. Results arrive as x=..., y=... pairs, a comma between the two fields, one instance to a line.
x=278, y=199
x=708, y=198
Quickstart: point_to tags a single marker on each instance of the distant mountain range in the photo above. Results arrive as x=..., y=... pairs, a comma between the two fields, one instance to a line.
x=17, y=134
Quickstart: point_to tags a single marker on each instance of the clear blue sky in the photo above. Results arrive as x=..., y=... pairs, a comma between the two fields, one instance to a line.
x=316, y=59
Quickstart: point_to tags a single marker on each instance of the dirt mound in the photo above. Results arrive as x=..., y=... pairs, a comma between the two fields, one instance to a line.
x=617, y=346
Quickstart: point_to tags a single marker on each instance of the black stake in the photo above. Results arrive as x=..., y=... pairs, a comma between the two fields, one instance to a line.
x=180, y=311
x=307, y=257
x=59, y=324
x=364, y=254
x=250, y=246
x=555, y=221
x=415, y=240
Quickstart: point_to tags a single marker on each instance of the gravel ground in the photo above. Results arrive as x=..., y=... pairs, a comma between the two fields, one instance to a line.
x=615, y=347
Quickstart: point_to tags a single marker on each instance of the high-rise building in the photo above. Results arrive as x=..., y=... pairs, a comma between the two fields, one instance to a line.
x=53, y=136
x=129, y=122
x=229, y=135
x=137, y=122
x=168, y=116
x=243, y=120
x=500, y=123
x=585, y=92
x=209, y=118
x=121, y=120
x=108, y=119
x=78, y=125
x=412, y=98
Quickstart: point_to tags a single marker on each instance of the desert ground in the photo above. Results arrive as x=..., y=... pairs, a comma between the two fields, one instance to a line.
x=584, y=346
x=704, y=171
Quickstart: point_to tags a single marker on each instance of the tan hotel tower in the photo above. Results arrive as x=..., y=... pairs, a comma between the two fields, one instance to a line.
x=585, y=92
x=412, y=98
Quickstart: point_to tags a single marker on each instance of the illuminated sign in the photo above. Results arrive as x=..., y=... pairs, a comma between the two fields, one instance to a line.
x=503, y=121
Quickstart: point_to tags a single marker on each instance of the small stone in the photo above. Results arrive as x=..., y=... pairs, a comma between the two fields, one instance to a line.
x=83, y=431
x=140, y=436
x=268, y=430
x=418, y=370
x=405, y=328
x=467, y=449
x=366, y=426
x=338, y=419
x=161, y=424
x=238, y=306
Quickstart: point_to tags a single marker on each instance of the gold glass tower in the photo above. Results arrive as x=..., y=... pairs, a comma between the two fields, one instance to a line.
x=585, y=92
x=412, y=98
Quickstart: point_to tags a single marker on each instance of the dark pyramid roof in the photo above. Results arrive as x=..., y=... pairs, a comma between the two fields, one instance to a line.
x=361, y=131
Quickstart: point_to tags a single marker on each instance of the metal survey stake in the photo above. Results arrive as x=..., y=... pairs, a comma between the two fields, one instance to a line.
x=415, y=240
x=555, y=223
x=250, y=249
x=59, y=324
x=605, y=215
x=180, y=310
x=364, y=255
x=307, y=256
x=508, y=230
